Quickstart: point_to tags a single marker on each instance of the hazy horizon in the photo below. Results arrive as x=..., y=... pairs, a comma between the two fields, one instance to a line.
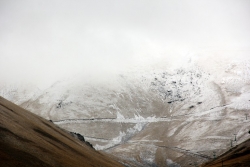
x=45, y=40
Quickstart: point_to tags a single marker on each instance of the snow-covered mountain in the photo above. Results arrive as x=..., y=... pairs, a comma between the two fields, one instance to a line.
x=157, y=117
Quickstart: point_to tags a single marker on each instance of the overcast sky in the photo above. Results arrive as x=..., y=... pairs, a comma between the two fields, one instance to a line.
x=41, y=40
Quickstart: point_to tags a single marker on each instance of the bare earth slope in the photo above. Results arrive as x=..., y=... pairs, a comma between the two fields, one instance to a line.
x=239, y=156
x=29, y=140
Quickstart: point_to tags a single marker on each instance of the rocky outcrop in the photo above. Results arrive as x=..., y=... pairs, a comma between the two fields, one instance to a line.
x=81, y=138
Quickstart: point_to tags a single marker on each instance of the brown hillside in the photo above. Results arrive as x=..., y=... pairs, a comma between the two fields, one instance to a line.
x=238, y=156
x=29, y=140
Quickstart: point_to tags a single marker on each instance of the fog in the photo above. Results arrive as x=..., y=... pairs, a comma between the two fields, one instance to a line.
x=42, y=41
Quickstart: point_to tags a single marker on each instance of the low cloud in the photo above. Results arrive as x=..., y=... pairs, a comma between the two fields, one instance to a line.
x=42, y=41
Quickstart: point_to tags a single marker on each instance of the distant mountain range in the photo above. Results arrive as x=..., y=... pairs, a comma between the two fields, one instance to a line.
x=157, y=117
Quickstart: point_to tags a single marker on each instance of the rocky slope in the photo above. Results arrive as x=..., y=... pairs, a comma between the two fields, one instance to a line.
x=158, y=117
x=29, y=140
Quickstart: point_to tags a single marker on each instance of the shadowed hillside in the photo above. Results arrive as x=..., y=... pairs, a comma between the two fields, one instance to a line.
x=29, y=140
x=238, y=156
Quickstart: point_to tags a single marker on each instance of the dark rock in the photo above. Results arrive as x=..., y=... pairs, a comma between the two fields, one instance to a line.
x=78, y=136
x=191, y=107
x=81, y=138
x=89, y=144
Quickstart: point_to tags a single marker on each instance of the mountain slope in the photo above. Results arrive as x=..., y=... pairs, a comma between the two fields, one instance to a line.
x=238, y=156
x=157, y=117
x=29, y=140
